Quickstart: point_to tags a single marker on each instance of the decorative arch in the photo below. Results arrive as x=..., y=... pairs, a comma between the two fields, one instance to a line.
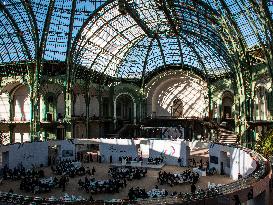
x=227, y=103
x=165, y=88
x=51, y=88
x=80, y=131
x=134, y=105
x=21, y=101
x=177, y=108
x=60, y=105
x=79, y=105
x=50, y=109
x=261, y=102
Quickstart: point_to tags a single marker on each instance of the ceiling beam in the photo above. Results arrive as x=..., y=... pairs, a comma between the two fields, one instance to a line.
x=19, y=33
x=125, y=8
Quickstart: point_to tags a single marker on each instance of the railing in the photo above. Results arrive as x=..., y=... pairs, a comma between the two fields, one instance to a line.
x=172, y=117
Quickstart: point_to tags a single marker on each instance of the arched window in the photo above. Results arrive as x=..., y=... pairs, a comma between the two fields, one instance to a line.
x=125, y=107
x=177, y=108
x=227, y=102
x=50, y=105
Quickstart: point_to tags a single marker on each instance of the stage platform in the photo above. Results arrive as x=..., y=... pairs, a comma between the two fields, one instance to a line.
x=145, y=165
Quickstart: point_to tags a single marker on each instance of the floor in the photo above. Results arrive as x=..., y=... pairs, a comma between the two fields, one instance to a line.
x=148, y=182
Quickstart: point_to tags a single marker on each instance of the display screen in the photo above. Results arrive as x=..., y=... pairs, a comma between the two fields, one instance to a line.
x=67, y=153
x=213, y=159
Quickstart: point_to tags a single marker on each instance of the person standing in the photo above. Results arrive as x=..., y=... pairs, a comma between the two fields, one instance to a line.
x=124, y=182
x=93, y=171
x=201, y=164
x=193, y=162
x=193, y=188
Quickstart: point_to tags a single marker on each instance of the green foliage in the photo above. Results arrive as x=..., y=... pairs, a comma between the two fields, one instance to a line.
x=264, y=144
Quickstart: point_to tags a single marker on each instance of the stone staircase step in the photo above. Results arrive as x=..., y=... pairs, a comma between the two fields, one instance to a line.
x=227, y=136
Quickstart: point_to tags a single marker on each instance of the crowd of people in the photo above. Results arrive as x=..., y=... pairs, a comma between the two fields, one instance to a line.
x=36, y=184
x=127, y=173
x=194, y=163
x=34, y=180
x=140, y=193
x=68, y=167
x=20, y=172
x=12, y=198
x=102, y=186
x=127, y=159
x=172, y=179
x=137, y=193
x=156, y=160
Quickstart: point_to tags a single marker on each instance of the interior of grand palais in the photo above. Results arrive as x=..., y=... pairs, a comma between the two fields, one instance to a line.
x=136, y=102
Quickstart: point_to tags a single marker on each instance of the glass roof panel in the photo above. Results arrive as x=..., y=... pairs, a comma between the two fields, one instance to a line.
x=10, y=45
x=111, y=39
x=245, y=17
x=22, y=19
x=111, y=31
x=152, y=33
x=57, y=40
x=154, y=59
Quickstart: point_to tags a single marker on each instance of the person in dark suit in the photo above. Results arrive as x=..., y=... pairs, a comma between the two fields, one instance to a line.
x=93, y=171
x=193, y=188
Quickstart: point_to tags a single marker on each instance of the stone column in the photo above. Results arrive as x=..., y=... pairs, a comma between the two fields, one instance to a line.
x=11, y=108
x=11, y=132
x=115, y=113
x=135, y=117
x=87, y=103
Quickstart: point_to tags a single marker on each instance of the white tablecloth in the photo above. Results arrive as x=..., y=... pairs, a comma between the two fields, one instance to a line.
x=156, y=192
x=199, y=171
x=47, y=180
x=76, y=164
x=136, y=163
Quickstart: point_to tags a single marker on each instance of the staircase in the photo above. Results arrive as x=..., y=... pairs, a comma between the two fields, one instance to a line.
x=227, y=136
x=128, y=131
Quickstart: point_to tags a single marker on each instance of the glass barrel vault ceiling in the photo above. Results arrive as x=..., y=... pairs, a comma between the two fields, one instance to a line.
x=132, y=45
x=30, y=16
x=129, y=43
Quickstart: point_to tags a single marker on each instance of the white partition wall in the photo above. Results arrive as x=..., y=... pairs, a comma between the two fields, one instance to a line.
x=231, y=160
x=170, y=151
x=117, y=148
x=28, y=154
x=66, y=149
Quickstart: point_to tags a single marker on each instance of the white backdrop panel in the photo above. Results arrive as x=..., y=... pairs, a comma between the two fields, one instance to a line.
x=28, y=154
x=117, y=148
x=169, y=150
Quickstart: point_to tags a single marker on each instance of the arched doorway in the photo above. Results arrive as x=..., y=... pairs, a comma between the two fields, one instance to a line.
x=21, y=104
x=227, y=103
x=177, y=108
x=50, y=107
x=261, y=108
x=125, y=108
